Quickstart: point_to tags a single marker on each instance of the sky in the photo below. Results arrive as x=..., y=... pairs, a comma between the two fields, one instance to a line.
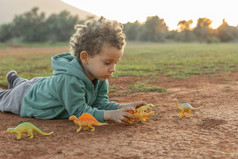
x=172, y=11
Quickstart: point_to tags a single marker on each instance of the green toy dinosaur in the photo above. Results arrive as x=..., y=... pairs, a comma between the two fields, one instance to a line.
x=184, y=109
x=26, y=127
x=145, y=108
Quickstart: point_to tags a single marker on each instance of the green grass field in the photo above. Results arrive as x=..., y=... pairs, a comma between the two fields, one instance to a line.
x=178, y=60
x=139, y=59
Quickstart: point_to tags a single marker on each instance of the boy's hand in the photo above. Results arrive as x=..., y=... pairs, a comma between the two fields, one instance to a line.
x=133, y=104
x=120, y=116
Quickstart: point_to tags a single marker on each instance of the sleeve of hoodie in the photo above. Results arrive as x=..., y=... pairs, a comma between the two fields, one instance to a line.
x=102, y=100
x=72, y=95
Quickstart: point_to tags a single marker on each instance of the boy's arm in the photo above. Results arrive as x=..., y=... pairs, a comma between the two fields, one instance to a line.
x=102, y=100
x=132, y=104
x=72, y=97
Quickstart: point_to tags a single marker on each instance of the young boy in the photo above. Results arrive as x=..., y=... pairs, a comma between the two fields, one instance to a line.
x=79, y=82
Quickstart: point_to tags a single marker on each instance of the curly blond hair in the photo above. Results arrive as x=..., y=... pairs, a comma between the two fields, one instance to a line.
x=96, y=32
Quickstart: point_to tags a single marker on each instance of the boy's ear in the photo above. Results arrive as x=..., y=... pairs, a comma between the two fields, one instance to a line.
x=84, y=57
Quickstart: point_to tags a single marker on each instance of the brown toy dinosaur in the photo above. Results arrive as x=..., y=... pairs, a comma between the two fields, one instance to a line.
x=140, y=115
x=87, y=120
x=26, y=127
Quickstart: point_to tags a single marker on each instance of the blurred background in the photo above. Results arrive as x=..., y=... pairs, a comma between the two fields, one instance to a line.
x=172, y=38
x=54, y=20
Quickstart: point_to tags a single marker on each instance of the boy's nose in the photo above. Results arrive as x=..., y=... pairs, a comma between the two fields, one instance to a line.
x=113, y=68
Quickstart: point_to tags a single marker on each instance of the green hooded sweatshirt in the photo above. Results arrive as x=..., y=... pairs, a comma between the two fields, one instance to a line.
x=68, y=92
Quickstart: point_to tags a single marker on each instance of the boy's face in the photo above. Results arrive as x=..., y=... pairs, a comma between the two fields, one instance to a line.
x=102, y=65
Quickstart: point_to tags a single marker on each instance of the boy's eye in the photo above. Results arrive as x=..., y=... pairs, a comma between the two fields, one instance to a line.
x=109, y=63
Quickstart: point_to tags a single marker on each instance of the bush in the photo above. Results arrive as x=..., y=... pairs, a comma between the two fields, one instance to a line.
x=213, y=39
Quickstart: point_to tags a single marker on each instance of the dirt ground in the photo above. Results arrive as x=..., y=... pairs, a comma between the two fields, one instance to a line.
x=210, y=132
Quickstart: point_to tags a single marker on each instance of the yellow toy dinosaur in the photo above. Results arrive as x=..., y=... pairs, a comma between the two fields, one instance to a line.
x=87, y=120
x=184, y=109
x=26, y=127
x=139, y=115
x=145, y=108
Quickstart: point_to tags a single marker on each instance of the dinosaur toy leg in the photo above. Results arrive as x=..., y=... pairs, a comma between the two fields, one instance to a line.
x=185, y=114
x=30, y=134
x=143, y=119
x=86, y=128
x=180, y=114
x=19, y=135
x=131, y=121
x=78, y=130
x=92, y=128
x=189, y=113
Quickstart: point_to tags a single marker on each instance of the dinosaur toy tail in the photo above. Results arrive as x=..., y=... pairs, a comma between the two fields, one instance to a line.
x=101, y=124
x=195, y=109
x=42, y=133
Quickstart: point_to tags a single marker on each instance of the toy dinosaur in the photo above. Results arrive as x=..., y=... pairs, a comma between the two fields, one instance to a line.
x=139, y=115
x=26, y=127
x=145, y=108
x=184, y=109
x=87, y=120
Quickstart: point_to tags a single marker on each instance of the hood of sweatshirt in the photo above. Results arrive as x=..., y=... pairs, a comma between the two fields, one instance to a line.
x=65, y=63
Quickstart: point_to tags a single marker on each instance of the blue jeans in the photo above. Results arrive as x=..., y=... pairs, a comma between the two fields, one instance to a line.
x=11, y=99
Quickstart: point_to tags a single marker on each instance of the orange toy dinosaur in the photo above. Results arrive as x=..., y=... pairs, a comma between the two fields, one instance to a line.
x=140, y=115
x=87, y=120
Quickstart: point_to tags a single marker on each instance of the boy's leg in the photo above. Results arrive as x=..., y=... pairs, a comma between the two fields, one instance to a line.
x=11, y=76
x=18, y=81
x=13, y=79
x=11, y=99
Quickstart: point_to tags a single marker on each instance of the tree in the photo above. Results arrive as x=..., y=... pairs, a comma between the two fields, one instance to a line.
x=30, y=26
x=5, y=32
x=226, y=33
x=132, y=30
x=203, y=29
x=154, y=29
x=185, y=30
x=61, y=26
x=184, y=25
